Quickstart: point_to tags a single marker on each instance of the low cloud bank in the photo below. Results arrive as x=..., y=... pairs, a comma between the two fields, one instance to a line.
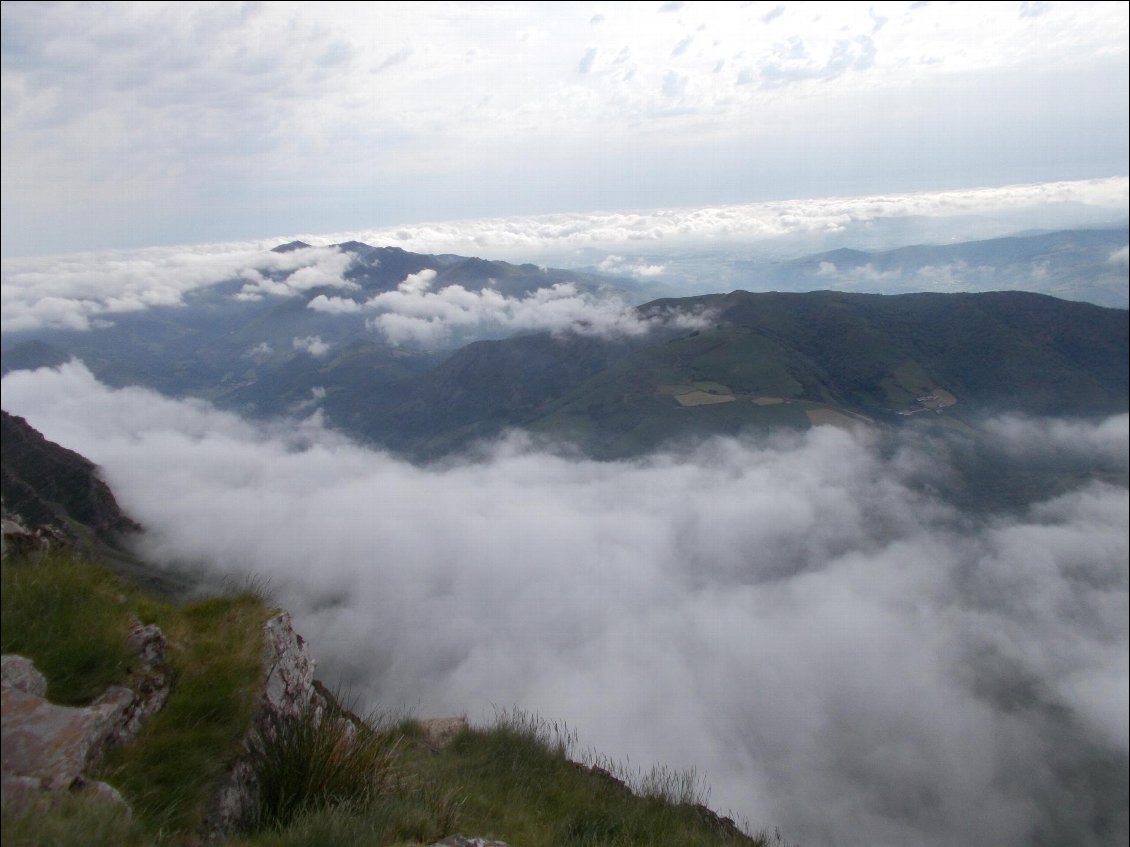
x=842, y=655
x=413, y=313
x=84, y=290
x=80, y=290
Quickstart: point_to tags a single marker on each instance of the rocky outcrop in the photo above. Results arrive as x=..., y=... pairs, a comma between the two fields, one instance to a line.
x=289, y=690
x=460, y=841
x=440, y=732
x=48, y=486
x=47, y=748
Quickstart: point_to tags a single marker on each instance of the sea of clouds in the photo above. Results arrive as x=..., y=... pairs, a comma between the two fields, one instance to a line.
x=839, y=652
x=85, y=290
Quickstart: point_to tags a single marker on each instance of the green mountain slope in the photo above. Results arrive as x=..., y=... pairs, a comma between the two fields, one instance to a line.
x=766, y=360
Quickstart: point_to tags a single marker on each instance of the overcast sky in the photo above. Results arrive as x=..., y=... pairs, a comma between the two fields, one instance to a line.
x=132, y=125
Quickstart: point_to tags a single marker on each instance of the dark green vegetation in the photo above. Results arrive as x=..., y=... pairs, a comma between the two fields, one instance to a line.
x=240, y=353
x=68, y=619
x=71, y=617
x=324, y=759
x=863, y=355
x=326, y=780
x=512, y=782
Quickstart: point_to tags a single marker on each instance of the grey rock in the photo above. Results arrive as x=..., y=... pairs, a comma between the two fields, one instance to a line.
x=47, y=747
x=20, y=673
x=49, y=743
x=461, y=841
x=439, y=732
x=288, y=690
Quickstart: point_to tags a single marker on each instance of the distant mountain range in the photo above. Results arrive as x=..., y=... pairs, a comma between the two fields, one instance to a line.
x=1088, y=265
x=756, y=360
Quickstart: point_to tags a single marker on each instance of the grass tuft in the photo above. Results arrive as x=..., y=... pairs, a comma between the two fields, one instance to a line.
x=317, y=760
x=69, y=617
x=75, y=820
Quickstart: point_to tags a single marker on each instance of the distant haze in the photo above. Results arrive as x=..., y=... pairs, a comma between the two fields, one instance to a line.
x=81, y=290
x=840, y=653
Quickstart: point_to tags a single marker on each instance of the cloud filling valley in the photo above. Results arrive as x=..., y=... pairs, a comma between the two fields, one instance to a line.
x=840, y=653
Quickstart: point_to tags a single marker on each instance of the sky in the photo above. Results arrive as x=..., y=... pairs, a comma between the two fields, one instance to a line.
x=835, y=650
x=132, y=125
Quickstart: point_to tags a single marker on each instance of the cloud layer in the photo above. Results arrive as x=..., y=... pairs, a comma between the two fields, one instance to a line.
x=80, y=290
x=141, y=123
x=86, y=290
x=415, y=314
x=844, y=656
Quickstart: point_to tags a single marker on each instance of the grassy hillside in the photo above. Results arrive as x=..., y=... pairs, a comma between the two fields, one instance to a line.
x=326, y=781
x=765, y=361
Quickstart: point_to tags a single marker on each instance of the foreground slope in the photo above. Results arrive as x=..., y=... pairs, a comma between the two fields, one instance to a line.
x=313, y=774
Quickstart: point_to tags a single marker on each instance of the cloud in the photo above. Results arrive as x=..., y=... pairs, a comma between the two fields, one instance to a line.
x=417, y=283
x=773, y=14
x=681, y=47
x=325, y=268
x=620, y=265
x=72, y=291
x=313, y=345
x=793, y=63
x=393, y=59
x=792, y=616
x=338, y=117
x=585, y=65
x=1120, y=257
x=334, y=305
x=526, y=237
x=415, y=314
x=1034, y=8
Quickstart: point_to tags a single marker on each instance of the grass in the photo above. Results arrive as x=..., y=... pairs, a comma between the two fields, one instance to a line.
x=317, y=760
x=169, y=772
x=76, y=821
x=71, y=618
x=519, y=785
x=326, y=779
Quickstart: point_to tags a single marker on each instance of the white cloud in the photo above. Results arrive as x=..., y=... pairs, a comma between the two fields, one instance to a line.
x=417, y=283
x=334, y=305
x=312, y=344
x=519, y=237
x=320, y=267
x=72, y=291
x=413, y=314
x=823, y=640
x=620, y=265
x=210, y=120
x=69, y=291
x=1120, y=257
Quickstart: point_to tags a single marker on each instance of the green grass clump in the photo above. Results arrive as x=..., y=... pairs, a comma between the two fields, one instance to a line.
x=71, y=618
x=76, y=820
x=325, y=777
x=317, y=760
x=518, y=785
x=168, y=773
